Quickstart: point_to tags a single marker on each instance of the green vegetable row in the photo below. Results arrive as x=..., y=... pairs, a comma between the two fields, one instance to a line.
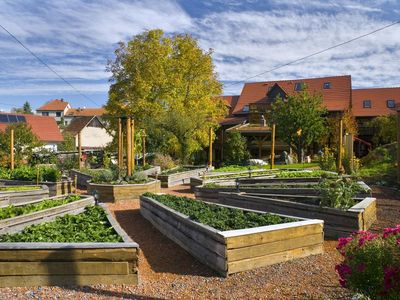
x=14, y=211
x=26, y=173
x=218, y=217
x=19, y=188
x=89, y=226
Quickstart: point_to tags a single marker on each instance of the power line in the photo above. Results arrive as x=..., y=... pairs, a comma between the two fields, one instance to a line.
x=45, y=64
x=315, y=53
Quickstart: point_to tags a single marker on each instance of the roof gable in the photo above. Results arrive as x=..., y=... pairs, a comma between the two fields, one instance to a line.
x=80, y=123
x=54, y=105
x=336, y=98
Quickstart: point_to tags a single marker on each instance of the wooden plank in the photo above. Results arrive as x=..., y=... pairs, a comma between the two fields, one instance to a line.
x=32, y=255
x=274, y=247
x=63, y=268
x=214, y=233
x=204, y=255
x=248, y=264
x=191, y=231
x=273, y=235
x=67, y=280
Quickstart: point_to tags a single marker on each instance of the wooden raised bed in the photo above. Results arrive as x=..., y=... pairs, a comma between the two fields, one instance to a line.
x=211, y=193
x=179, y=178
x=120, y=192
x=23, y=197
x=47, y=264
x=83, y=178
x=15, y=224
x=337, y=222
x=55, y=188
x=234, y=251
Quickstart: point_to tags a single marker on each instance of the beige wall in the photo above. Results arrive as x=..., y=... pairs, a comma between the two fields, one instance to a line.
x=94, y=137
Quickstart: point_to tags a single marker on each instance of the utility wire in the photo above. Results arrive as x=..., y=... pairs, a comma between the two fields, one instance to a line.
x=46, y=65
x=315, y=53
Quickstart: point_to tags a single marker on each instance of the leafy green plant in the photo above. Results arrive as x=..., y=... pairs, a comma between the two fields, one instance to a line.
x=14, y=211
x=50, y=174
x=5, y=173
x=371, y=263
x=218, y=217
x=90, y=226
x=327, y=160
x=338, y=193
x=235, y=149
x=299, y=174
x=164, y=161
x=100, y=175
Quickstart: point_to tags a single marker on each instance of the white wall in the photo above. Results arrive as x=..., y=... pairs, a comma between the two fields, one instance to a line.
x=94, y=137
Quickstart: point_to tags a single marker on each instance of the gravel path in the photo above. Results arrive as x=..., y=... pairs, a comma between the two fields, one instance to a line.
x=167, y=271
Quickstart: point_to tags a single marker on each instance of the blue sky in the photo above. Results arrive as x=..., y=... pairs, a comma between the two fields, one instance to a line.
x=76, y=38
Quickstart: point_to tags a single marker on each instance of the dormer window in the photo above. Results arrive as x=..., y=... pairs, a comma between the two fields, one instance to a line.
x=298, y=86
x=246, y=108
x=367, y=104
x=327, y=85
x=390, y=103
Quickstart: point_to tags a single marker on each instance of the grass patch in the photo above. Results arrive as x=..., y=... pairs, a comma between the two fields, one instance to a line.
x=175, y=170
x=89, y=226
x=218, y=217
x=12, y=211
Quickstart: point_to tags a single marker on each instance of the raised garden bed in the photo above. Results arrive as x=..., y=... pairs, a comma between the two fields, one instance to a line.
x=83, y=178
x=337, y=222
x=71, y=263
x=170, y=178
x=16, y=195
x=120, y=192
x=232, y=251
x=14, y=219
x=55, y=188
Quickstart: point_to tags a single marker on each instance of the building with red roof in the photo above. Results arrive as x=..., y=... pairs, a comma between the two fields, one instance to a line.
x=45, y=128
x=55, y=108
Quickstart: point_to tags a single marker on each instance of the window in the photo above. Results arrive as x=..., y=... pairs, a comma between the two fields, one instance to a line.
x=367, y=104
x=58, y=113
x=390, y=103
x=246, y=108
x=45, y=113
x=327, y=85
x=298, y=86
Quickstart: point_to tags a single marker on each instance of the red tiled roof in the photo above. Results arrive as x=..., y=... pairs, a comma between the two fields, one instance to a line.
x=45, y=128
x=85, y=112
x=378, y=97
x=336, y=98
x=231, y=101
x=54, y=105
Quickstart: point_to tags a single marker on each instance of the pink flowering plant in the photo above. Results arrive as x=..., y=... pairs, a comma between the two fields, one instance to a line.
x=371, y=263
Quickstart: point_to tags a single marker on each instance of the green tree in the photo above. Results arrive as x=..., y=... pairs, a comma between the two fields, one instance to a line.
x=385, y=129
x=25, y=141
x=300, y=120
x=235, y=149
x=25, y=109
x=68, y=144
x=168, y=84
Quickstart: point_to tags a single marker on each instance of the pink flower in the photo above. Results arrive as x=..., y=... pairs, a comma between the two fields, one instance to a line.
x=342, y=243
x=343, y=283
x=391, y=278
x=361, y=267
x=366, y=236
x=391, y=231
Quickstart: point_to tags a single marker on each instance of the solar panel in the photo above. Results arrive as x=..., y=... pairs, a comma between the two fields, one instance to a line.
x=4, y=118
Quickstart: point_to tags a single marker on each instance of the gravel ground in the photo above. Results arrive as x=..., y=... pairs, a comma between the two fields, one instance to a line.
x=167, y=271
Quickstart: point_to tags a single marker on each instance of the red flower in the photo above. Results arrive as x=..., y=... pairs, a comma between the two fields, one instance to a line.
x=391, y=278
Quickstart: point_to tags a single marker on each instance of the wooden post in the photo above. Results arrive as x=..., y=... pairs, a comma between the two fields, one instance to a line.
x=133, y=143
x=210, y=158
x=144, y=147
x=12, y=149
x=75, y=183
x=398, y=145
x=119, y=143
x=273, y=147
x=37, y=175
x=80, y=150
x=129, y=146
x=339, y=163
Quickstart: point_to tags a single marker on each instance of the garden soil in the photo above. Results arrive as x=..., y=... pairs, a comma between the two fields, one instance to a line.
x=168, y=272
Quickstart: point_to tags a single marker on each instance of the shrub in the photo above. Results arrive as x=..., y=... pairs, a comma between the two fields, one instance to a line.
x=102, y=176
x=371, y=263
x=137, y=178
x=50, y=174
x=338, y=193
x=4, y=174
x=327, y=160
x=235, y=149
x=24, y=173
x=164, y=161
